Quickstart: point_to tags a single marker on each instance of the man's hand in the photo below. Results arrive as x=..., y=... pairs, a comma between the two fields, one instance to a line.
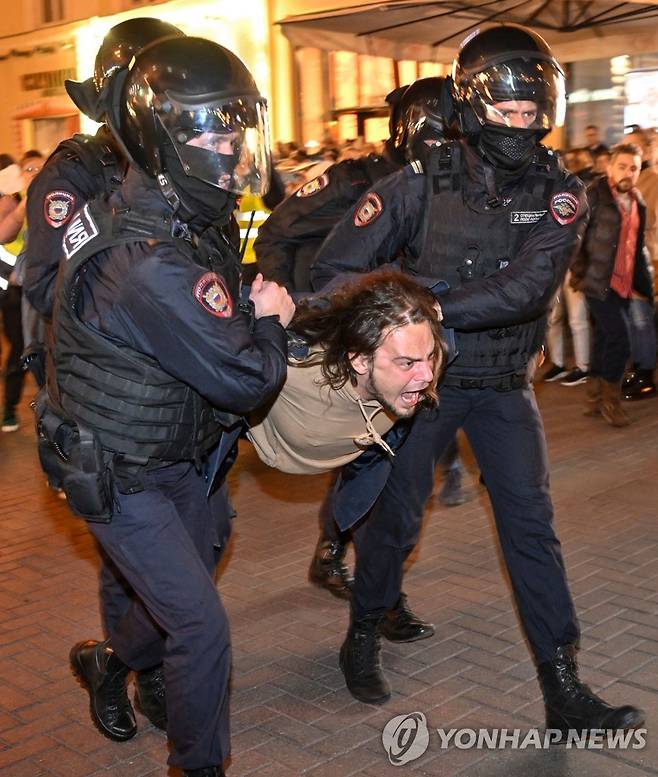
x=270, y=299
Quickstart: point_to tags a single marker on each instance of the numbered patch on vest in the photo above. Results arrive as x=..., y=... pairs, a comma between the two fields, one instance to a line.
x=314, y=186
x=564, y=207
x=525, y=216
x=58, y=207
x=368, y=210
x=211, y=293
x=79, y=232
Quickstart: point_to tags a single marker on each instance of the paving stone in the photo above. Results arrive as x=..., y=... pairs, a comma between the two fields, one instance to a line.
x=291, y=713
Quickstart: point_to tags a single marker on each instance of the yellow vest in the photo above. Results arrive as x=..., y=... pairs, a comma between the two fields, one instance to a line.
x=250, y=205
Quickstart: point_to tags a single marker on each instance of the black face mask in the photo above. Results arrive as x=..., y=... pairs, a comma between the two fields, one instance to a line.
x=508, y=148
x=201, y=203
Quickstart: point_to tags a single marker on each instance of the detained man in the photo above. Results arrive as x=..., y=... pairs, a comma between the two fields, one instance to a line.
x=373, y=355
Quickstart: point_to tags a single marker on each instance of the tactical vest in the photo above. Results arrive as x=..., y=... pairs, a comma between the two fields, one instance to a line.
x=463, y=242
x=134, y=407
x=97, y=157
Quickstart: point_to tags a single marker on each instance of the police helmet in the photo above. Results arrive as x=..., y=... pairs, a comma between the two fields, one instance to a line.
x=196, y=97
x=116, y=51
x=420, y=122
x=508, y=63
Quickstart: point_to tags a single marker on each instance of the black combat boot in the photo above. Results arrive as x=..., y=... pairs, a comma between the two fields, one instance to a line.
x=399, y=624
x=150, y=696
x=208, y=771
x=360, y=662
x=104, y=676
x=328, y=571
x=570, y=704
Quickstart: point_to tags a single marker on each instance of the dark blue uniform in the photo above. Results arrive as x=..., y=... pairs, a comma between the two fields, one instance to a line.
x=169, y=315
x=504, y=259
x=290, y=238
x=77, y=171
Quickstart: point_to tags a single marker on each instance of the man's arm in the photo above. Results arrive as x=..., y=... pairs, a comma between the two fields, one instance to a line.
x=183, y=317
x=307, y=216
x=388, y=218
x=52, y=199
x=524, y=289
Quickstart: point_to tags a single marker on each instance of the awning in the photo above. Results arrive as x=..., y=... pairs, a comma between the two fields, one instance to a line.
x=47, y=108
x=427, y=30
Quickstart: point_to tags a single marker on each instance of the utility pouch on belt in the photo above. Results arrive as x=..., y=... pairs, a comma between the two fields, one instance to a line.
x=72, y=458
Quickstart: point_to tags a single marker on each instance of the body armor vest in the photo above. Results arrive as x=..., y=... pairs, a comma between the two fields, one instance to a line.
x=97, y=157
x=133, y=406
x=465, y=241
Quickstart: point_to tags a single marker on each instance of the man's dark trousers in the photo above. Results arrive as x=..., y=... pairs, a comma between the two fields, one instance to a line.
x=611, y=342
x=164, y=541
x=506, y=434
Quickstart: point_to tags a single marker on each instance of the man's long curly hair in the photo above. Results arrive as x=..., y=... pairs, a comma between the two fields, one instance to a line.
x=355, y=319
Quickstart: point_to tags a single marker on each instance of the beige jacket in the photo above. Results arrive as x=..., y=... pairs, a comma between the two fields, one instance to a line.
x=311, y=428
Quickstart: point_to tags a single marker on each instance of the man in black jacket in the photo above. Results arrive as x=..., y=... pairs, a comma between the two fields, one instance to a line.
x=613, y=267
x=155, y=359
x=499, y=219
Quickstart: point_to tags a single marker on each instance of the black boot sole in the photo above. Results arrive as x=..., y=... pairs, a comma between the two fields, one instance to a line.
x=634, y=719
x=79, y=673
x=397, y=640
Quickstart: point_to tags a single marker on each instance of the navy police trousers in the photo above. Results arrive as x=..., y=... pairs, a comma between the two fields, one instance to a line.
x=506, y=434
x=164, y=606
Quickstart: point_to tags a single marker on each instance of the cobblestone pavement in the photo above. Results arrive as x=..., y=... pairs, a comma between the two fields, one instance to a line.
x=291, y=714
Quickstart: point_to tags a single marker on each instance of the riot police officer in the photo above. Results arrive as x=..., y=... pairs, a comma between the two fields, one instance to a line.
x=82, y=166
x=155, y=359
x=286, y=246
x=499, y=219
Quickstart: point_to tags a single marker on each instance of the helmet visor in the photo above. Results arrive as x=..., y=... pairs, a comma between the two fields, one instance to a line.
x=421, y=128
x=522, y=93
x=225, y=144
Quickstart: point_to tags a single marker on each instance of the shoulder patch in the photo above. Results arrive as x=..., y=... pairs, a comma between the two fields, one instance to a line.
x=564, y=207
x=58, y=207
x=211, y=293
x=368, y=210
x=314, y=186
x=79, y=232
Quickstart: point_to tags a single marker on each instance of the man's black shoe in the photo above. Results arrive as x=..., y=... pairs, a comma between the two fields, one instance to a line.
x=209, y=771
x=360, y=662
x=328, y=571
x=452, y=491
x=104, y=676
x=641, y=386
x=571, y=705
x=150, y=697
x=399, y=624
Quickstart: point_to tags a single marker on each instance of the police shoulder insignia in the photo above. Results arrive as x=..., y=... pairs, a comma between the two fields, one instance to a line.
x=564, y=207
x=369, y=208
x=79, y=232
x=314, y=186
x=58, y=207
x=211, y=293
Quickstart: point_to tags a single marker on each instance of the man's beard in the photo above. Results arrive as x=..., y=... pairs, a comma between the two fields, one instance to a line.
x=376, y=394
x=625, y=185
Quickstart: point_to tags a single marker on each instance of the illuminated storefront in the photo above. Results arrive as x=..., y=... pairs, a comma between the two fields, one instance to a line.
x=37, y=109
